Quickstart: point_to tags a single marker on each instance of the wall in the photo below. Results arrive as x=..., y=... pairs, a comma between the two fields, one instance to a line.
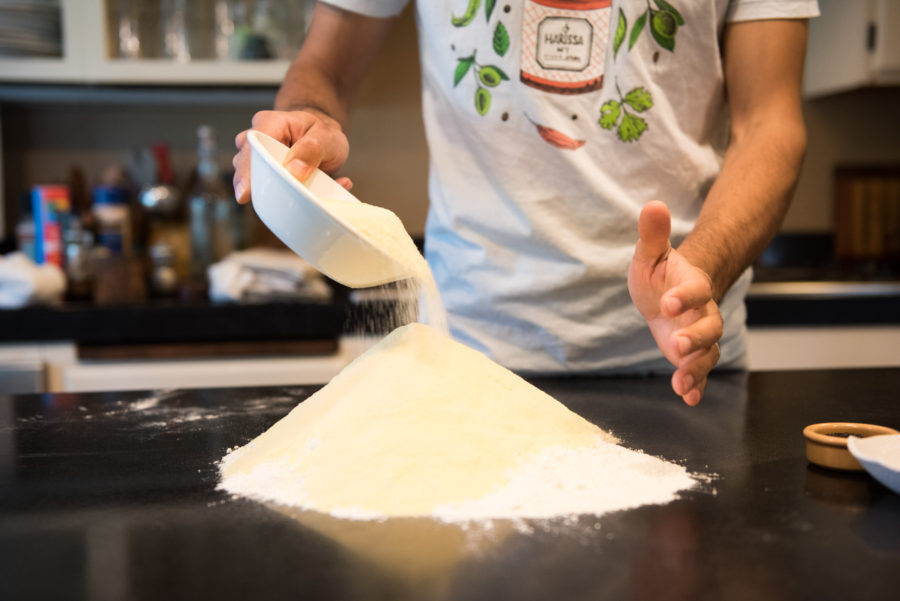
x=862, y=126
x=388, y=154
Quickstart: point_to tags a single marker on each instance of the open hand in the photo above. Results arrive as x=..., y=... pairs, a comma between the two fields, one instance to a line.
x=315, y=140
x=676, y=299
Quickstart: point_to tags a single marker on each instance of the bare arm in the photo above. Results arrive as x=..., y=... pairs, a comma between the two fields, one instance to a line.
x=678, y=290
x=747, y=203
x=338, y=50
x=312, y=107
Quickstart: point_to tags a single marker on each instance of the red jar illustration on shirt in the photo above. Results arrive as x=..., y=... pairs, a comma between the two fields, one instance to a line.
x=563, y=44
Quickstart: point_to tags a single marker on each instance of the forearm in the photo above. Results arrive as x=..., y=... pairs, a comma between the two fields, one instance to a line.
x=335, y=56
x=747, y=203
x=307, y=87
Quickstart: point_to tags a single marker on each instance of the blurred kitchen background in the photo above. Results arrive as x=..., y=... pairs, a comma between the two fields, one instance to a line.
x=117, y=120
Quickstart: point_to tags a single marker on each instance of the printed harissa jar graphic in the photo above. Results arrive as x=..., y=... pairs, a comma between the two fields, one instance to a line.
x=563, y=44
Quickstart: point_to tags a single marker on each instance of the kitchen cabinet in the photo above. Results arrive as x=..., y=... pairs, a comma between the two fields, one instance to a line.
x=90, y=56
x=59, y=367
x=75, y=374
x=853, y=45
x=822, y=347
x=24, y=366
x=822, y=325
x=79, y=347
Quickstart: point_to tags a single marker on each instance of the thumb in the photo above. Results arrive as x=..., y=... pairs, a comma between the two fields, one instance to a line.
x=654, y=227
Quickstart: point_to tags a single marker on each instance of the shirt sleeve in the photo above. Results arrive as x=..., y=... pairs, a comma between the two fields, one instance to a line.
x=755, y=10
x=371, y=8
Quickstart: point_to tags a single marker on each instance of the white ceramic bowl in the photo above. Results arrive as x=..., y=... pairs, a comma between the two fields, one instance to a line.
x=880, y=456
x=293, y=211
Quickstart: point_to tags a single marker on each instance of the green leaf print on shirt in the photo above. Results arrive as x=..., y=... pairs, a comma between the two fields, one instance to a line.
x=462, y=67
x=501, y=39
x=662, y=23
x=488, y=9
x=610, y=113
x=621, y=30
x=636, y=30
x=639, y=99
x=486, y=76
x=631, y=126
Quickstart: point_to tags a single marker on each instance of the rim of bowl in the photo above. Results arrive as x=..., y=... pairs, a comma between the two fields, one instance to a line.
x=257, y=145
x=821, y=433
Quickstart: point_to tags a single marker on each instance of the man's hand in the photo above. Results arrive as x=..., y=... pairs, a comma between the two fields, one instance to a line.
x=676, y=299
x=315, y=140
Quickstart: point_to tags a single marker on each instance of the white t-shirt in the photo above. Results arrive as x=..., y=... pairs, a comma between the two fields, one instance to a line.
x=550, y=124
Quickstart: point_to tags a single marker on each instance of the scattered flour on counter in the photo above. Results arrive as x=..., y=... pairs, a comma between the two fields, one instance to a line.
x=144, y=404
x=166, y=409
x=422, y=426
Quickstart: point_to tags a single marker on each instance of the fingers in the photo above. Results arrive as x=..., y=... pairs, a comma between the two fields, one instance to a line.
x=284, y=126
x=304, y=157
x=315, y=140
x=321, y=144
x=241, y=163
x=693, y=397
x=654, y=227
x=700, y=334
x=345, y=183
x=689, y=380
x=691, y=294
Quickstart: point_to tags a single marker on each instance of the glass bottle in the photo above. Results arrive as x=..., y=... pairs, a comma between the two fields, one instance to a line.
x=211, y=206
x=176, y=30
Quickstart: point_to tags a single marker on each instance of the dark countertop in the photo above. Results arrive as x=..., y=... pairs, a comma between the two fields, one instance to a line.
x=173, y=321
x=170, y=321
x=113, y=496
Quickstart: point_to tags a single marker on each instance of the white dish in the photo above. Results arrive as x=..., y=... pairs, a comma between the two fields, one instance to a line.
x=294, y=211
x=880, y=456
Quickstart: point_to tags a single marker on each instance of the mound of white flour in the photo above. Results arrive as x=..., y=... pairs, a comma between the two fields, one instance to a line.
x=423, y=426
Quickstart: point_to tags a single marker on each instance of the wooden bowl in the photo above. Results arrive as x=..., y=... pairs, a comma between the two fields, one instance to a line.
x=826, y=443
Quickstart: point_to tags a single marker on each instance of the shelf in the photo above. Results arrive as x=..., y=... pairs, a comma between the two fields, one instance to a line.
x=86, y=61
x=188, y=94
x=144, y=72
x=41, y=69
x=201, y=72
